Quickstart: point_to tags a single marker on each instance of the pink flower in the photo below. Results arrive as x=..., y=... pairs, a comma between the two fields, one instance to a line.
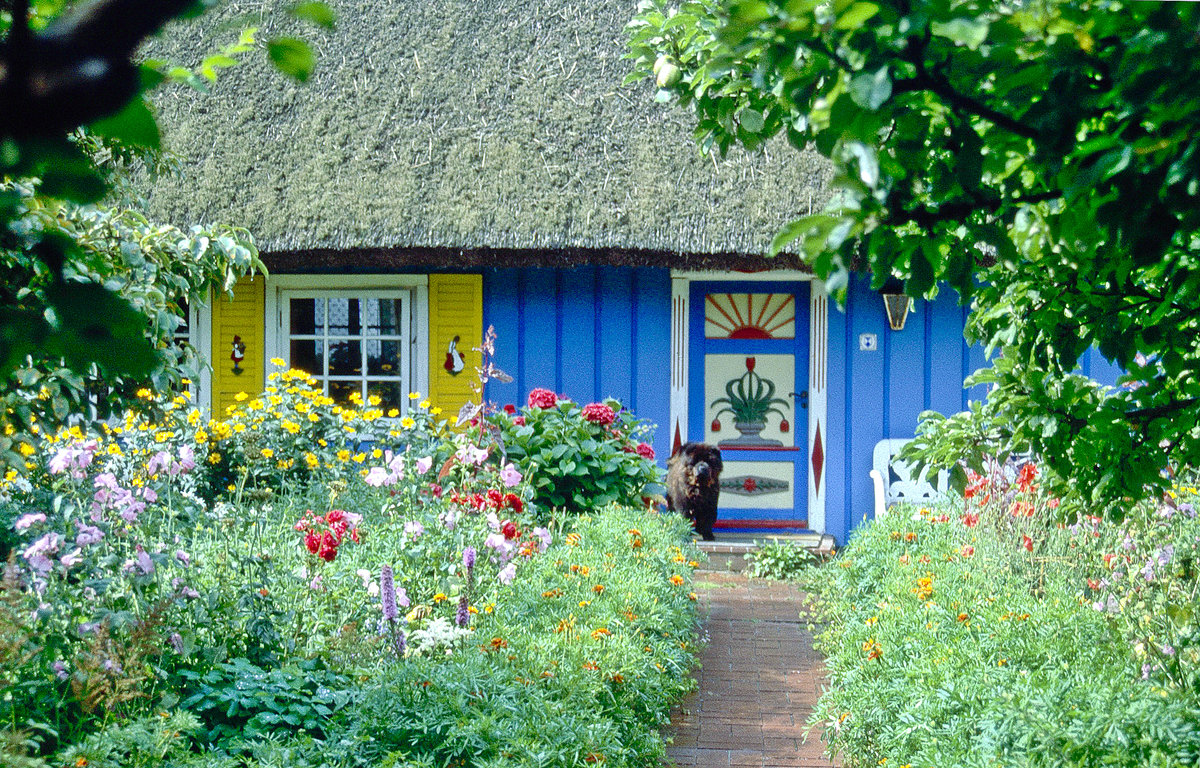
x=518, y=421
x=599, y=413
x=645, y=451
x=509, y=475
x=424, y=464
x=28, y=521
x=376, y=477
x=507, y=574
x=542, y=398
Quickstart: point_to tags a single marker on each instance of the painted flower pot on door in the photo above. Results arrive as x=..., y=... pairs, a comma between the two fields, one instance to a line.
x=751, y=400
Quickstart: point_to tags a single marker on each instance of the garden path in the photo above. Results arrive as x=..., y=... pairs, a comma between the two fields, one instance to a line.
x=759, y=680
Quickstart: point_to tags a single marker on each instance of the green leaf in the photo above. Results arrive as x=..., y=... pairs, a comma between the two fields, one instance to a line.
x=970, y=32
x=856, y=15
x=751, y=120
x=134, y=126
x=94, y=325
x=292, y=57
x=318, y=13
x=870, y=90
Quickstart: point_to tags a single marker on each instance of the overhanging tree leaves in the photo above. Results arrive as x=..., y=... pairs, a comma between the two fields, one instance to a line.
x=1040, y=157
x=91, y=296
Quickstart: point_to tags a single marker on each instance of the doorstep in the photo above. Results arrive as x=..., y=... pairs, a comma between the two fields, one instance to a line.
x=728, y=552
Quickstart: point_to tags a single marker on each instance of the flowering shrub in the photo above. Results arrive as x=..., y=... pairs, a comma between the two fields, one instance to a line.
x=990, y=634
x=213, y=571
x=580, y=458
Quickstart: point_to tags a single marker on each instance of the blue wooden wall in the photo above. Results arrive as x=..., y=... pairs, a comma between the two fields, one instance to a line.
x=597, y=332
x=588, y=333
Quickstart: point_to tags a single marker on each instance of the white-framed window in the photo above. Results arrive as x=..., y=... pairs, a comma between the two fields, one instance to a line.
x=354, y=335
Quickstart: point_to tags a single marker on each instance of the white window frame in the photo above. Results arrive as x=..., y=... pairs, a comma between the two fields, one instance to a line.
x=415, y=288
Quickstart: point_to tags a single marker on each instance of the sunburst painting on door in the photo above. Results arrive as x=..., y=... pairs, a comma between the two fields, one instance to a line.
x=748, y=396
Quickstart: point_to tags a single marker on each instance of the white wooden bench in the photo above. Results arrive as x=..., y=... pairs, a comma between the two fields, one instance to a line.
x=894, y=480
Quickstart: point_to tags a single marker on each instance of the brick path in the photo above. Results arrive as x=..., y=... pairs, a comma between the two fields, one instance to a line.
x=759, y=680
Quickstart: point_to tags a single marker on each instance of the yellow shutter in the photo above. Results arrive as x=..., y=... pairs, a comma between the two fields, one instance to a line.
x=455, y=309
x=241, y=316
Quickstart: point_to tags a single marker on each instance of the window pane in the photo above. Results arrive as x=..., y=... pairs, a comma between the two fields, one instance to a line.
x=307, y=316
x=383, y=316
x=390, y=393
x=345, y=358
x=383, y=358
x=309, y=356
x=344, y=318
x=341, y=390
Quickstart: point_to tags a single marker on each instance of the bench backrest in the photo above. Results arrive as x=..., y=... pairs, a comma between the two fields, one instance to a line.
x=900, y=483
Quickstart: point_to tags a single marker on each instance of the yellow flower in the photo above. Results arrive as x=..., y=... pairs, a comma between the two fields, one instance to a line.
x=27, y=450
x=489, y=608
x=343, y=455
x=376, y=453
x=440, y=597
x=145, y=393
x=290, y=427
x=393, y=413
x=240, y=396
x=584, y=603
x=373, y=400
x=267, y=453
x=278, y=361
x=407, y=423
x=311, y=460
x=214, y=458
x=435, y=411
x=414, y=395
x=424, y=404
x=359, y=458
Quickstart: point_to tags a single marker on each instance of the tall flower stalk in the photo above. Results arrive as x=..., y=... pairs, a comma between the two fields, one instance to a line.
x=387, y=598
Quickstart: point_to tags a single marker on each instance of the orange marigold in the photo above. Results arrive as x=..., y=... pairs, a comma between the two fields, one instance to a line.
x=676, y=579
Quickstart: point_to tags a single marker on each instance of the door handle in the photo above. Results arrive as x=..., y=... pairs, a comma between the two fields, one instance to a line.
x=803, y=398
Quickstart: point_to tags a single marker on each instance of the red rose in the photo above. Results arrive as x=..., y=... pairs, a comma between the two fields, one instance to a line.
x=542, y=398
x=509, y=529
x=495, y=498
x=313, y=542
x=645, y=451
x=510, y=409
x=519, y=421
x=599, y=413
x=514, y=502
x=436, y=490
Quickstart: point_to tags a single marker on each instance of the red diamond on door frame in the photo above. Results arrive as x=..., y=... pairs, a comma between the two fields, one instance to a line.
x=818, y=459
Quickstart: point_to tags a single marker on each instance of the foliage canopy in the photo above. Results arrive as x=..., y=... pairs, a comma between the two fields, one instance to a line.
x=1039, y=157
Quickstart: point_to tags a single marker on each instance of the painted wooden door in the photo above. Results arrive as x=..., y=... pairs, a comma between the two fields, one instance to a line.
x=748, y=395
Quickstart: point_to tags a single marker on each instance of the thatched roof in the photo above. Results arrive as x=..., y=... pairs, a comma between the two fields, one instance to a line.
x=468, y=124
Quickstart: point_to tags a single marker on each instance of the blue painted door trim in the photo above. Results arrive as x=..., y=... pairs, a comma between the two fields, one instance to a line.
x=761, y=520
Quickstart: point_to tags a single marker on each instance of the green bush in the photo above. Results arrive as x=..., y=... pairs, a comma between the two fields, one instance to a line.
x=780, y=560
x=991, y=635
x=580, y=458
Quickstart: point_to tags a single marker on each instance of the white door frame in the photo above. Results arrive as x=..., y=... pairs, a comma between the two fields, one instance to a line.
x=818, y=369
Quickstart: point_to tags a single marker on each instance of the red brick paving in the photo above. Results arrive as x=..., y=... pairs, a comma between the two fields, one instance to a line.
x=759, y=680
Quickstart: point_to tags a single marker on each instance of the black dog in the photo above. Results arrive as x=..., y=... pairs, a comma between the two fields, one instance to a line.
x=693, y=485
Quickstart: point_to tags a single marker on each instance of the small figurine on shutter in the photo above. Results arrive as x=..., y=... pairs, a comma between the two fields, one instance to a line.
x=454, y=361
x=238, y=354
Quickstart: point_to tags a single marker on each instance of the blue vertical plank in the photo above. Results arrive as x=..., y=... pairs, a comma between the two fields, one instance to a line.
x=906, y=379
x=578, y=340
x=947, y=354
x=837, y=426
x=652, y=353
x=868, y=400
x=616, y=337
x=539, y=321
x=501, y=310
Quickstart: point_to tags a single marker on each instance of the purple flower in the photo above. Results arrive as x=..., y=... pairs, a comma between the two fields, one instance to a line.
x=1165, y=554
x=545, y=538
x=187, y=458
x=1148, y=571
x=143, y=562
x=158, y=462
x=387, y=593
x=469, y=557
x=72, y=558
x=176, y=641
x=60, y=670
x=507, y=574
x=424, y=464
x=509, y=475
x=183, y=557
x=1168, y=650
x=462, y=617
x=38, y=553
x=1187, y=509
x=28, y=521
x=150, y=495
x=1127, y=544
x=414, y=528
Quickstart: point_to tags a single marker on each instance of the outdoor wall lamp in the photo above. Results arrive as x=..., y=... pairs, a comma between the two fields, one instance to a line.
x=895, y=303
